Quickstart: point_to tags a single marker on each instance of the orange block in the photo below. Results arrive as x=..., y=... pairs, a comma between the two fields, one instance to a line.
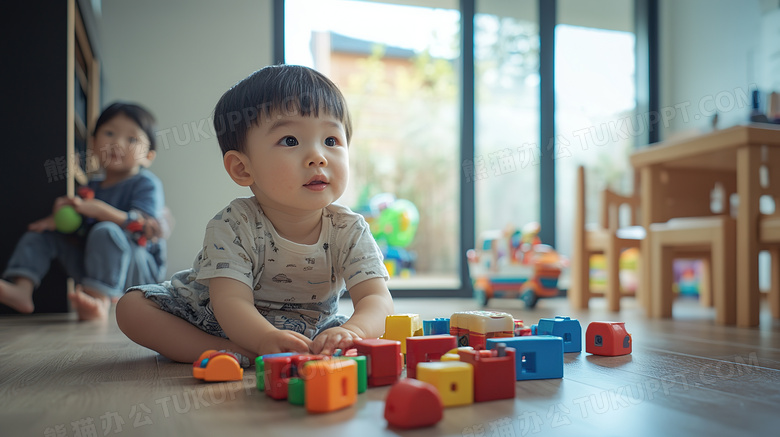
x=330, y=385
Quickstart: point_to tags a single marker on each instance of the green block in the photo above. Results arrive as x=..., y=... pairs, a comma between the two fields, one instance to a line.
x=362, y=376
x=296, y=391
x=260, y=373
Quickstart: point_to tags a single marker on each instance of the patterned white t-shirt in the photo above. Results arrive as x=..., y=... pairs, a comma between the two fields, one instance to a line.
x=295, y=286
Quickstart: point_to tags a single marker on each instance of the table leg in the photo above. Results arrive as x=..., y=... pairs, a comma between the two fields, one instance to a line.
x=748, y=189
x=648, y=188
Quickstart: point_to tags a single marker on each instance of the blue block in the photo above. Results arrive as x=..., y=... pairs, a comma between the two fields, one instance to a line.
x=565, y=327
x=436, y=326
x=536, y=356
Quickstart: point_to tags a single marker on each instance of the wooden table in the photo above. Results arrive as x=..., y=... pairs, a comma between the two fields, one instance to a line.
x=676, y=178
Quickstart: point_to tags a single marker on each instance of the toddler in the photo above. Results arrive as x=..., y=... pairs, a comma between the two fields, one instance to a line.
x=103, y=256
x=273, y=266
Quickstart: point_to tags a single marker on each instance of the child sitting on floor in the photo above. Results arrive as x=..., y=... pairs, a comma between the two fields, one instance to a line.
x=104, y=256
x=273, y=266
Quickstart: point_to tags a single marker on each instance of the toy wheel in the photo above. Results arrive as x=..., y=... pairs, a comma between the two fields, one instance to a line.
x=530, y=298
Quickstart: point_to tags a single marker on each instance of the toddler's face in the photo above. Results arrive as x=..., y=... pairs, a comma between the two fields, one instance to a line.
x=298, y=163
x=120, y=145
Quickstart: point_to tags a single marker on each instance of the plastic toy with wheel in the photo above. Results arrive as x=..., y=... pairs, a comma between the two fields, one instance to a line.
x=511, y=264
x=544, y=283
x=213, y=365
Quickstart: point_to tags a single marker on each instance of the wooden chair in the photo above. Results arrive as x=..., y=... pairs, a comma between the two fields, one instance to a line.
x=712, y=239
x=607, y=238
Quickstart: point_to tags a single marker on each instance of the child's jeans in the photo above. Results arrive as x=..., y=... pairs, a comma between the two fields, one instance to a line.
x=107, y=262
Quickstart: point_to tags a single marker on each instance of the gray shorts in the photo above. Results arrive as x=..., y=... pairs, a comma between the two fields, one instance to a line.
x=192, y=303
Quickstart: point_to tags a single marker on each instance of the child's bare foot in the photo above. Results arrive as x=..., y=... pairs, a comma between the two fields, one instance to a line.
x=90, y=305
x=17, y=295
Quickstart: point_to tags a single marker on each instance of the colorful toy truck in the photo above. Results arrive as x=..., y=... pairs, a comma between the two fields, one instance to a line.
x=515, y=264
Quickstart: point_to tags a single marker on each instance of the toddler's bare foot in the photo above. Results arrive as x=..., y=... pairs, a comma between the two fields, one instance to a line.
x=16, y=296
x=90, y=305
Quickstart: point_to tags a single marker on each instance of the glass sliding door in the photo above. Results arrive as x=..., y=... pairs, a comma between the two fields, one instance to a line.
x=506, y=164
x=595, y=102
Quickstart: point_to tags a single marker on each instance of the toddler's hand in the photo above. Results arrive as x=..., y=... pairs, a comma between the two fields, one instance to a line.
x=60, y=202
x=334, y=338
x=93, y=208
x=279, y=340
x=152, y=228
x=44, y=224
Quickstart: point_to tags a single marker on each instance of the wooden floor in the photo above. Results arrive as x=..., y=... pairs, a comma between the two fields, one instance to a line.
x=686, y=376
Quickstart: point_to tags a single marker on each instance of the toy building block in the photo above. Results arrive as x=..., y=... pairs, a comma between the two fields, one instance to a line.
x=330, y=384
x=436, y=326
x=565, y=327
x=260, y=368
x=217, y=366
x=362, y=372
x=536, y=356
x=520, y=329
x=453, y=379
x=296, y=391
x=494, y=372
x=279, y=370
x=400, y=326
x=384, y=360
x=472, y=328
x=608, y=339
x=425, y=349
x=413, y=404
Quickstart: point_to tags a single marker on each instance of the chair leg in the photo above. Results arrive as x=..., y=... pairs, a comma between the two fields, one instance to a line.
x=661, y=295
x=705, y=282
x=774, y=290
x=612, y=262
x=730, y=269
x=579, y=288
x=723, y=270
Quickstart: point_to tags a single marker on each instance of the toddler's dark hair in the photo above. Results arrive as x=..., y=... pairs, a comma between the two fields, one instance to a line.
x=276, y=90
x=140, y=115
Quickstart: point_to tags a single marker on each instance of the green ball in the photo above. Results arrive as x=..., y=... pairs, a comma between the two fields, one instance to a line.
x=67, y=220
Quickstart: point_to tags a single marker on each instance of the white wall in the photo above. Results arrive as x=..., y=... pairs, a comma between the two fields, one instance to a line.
x=709, y=61
x=177, y=57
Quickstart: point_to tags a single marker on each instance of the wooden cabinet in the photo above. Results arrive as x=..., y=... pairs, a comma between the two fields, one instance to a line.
x=51, y=83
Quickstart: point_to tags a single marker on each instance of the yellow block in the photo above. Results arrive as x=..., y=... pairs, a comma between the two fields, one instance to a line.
x=400, y=326
x=453, y=379
x=454, y=354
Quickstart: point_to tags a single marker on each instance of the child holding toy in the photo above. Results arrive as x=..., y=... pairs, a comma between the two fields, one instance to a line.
x=102, y=255
x=273, y=266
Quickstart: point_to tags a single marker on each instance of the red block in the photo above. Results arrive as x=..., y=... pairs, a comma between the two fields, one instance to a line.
x=413, y=404
x=279, y=370
x=494, y=374
x=608, y=339
x=384, y=362
x=426, y=349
